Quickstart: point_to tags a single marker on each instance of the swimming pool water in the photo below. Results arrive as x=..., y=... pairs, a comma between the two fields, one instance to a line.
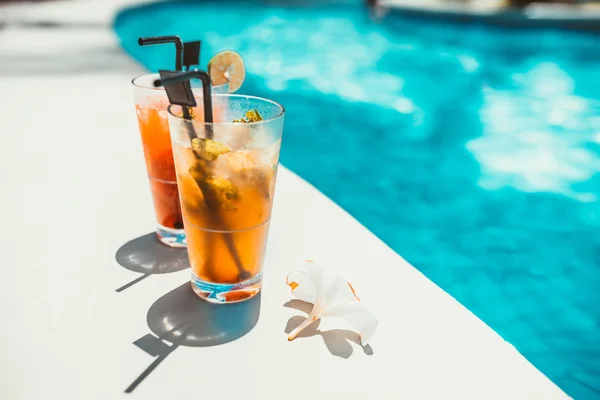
x=474, y=152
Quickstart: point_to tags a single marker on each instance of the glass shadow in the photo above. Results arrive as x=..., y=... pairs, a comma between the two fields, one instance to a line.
x=148, y=256
x=180, y=318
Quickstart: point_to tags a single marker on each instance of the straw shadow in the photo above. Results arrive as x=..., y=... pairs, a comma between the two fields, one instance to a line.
x=338, y=341
x=148, y=256
x=182, y=319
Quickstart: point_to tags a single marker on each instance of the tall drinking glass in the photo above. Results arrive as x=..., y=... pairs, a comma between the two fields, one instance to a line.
x=151, y=106
x=226, y=176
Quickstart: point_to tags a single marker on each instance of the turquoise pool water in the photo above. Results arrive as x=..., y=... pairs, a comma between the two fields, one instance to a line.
x=474, y=152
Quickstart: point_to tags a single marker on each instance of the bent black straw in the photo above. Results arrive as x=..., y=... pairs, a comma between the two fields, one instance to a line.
x=186, y=76
x=145, y=41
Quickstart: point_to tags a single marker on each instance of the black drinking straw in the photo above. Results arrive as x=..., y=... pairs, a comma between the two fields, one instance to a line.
x=186, y=76
x=145, y=41
x=177, y=86
x=191, y=54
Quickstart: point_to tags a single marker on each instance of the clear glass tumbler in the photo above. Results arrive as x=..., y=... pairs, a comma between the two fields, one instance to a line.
x=226, y=177
x=151, y=107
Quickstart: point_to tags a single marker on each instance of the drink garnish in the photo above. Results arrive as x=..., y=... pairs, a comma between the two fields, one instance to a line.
x=191, y=112
x=251, y=116
x=199, y=171
x=331, y=296
x=225, y=191
x=207, y=149
x=227, y=67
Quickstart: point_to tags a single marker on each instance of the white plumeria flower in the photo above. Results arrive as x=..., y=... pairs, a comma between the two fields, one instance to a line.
x=331, y=296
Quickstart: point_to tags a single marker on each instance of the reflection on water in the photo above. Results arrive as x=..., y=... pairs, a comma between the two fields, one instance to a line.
x=539, y=136
x=471, y=151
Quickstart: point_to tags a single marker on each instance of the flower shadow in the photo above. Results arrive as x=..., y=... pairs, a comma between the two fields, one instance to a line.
x=338, y=341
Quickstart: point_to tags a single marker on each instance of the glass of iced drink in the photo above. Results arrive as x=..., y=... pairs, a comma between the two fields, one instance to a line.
x=226, y=176
x=151, y=106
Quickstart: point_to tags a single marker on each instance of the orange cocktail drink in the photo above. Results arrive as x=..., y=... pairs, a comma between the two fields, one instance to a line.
x=151, y=108
x=226, y=176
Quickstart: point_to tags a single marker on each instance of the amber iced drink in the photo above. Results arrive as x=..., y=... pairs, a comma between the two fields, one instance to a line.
x=151, y=107
x=226, y=176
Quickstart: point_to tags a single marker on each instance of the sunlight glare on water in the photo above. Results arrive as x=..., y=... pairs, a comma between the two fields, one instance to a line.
x=536, y=138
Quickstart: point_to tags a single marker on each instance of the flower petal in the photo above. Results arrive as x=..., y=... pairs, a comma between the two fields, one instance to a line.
x=338, y=292
x=316, y=275
x=358, y=316
x=302, y=286
x=331, y=296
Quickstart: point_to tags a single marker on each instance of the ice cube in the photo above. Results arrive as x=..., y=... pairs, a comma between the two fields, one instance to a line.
x=239, y=161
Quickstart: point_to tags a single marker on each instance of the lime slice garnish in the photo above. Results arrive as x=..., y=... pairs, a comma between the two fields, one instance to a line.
x=227, y=67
